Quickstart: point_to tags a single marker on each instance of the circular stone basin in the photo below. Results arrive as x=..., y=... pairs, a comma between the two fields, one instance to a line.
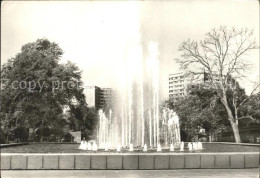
x=73, y=148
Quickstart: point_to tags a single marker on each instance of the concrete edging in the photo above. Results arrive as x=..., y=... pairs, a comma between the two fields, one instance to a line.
x=13, y=144
x=12, y=161
x=232, y=143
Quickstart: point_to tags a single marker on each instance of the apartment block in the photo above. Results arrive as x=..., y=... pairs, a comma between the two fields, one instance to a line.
x=99, y=97
x=178, y=82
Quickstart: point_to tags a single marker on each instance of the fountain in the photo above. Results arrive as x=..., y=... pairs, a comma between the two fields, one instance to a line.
x=171, y=147
x=94, y=147
x=89, y=146
x=145, y=148
x=131, y=148
x=194, y=146
x=118, y=148
x=83, y=145
x=106, y=147
x=200, y=146
x=136, y=119
x=182, y=146
x=159, y=148
x=170, y=130
x=190, y=146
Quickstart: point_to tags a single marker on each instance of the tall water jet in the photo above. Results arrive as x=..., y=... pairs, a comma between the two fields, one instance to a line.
x=109, y=125
x=136, y=119
x=165, y=127
x=142, y=103
x=150, y=127
x=123, y=127
x=153, y=70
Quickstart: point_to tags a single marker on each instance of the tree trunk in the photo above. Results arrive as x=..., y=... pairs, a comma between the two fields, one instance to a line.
x=235, y=108
x=231, y=119
x=235, y=131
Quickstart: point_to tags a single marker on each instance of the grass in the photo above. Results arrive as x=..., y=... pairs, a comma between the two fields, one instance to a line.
x=73, y=148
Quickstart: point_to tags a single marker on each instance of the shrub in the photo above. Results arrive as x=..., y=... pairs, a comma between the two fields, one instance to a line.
x=2, y=137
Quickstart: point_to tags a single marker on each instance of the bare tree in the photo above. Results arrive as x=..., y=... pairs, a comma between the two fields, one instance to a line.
x=222, y=54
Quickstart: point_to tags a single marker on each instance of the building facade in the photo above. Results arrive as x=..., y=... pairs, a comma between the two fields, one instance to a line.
x=99, y=97
x=176, y=85
x=179, y=82
x=92, y=94
x=106, y=98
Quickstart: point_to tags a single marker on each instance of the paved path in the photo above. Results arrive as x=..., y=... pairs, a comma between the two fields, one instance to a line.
x=194, y=173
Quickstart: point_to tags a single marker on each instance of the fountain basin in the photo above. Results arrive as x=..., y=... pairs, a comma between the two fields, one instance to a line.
x=211, y=147
x=67, y=156
x=129, y=161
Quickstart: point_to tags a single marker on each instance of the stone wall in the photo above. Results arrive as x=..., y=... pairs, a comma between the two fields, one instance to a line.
x=130, y=161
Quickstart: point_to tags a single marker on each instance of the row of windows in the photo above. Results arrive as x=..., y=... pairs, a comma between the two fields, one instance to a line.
x=107, y=91
x=176, y=86
x=176, y=95
x=180, y=81
x=180, y=90
x=174, y=78
x=176, y=81
x=179, y=85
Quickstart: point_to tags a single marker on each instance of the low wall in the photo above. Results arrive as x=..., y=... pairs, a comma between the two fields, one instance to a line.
x=130, y=161
x=13, y=144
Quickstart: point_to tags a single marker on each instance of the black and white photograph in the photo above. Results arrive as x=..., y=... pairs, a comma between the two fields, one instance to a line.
x=130, y=89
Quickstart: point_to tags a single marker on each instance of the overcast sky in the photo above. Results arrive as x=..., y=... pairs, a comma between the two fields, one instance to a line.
x=95, y=34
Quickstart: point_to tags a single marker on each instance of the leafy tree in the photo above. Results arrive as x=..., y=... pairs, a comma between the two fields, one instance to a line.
x=36, y=88
x=222, y=55
x=2, y=137
x=83, y=119
x=201, y=108
x=251, y=108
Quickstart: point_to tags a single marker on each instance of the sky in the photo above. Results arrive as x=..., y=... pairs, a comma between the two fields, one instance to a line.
x=96, y=34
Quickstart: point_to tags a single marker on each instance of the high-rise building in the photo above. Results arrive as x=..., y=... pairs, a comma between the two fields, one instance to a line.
x=99, y=97
x=92, y=94
x=178, y=83
x=106, y=98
